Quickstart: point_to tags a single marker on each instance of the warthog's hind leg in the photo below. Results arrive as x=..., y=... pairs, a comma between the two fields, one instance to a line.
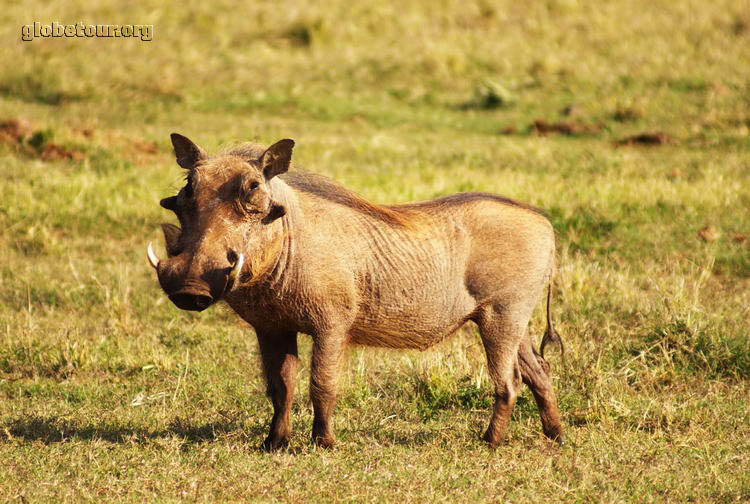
x=501, y=331
x=279, y=355
x=535, y=374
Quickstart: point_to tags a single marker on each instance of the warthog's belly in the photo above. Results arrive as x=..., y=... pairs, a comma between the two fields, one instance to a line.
x=416, y=317
x=419, y=338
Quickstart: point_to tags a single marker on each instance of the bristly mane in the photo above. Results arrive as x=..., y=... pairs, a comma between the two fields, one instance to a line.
x=470, y=196
x=323, y=187
x=398, y=215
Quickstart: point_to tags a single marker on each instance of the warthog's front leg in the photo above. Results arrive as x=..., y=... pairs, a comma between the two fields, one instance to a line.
x=327, y=351
x=279, y=353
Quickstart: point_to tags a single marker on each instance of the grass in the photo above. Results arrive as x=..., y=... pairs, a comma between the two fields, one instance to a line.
x=108, y=392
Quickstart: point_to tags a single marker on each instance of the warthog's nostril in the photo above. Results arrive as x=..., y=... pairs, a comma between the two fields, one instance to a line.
x=194, y=302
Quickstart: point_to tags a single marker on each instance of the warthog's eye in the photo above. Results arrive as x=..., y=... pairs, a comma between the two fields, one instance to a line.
x=250, y=200
x=249, y=192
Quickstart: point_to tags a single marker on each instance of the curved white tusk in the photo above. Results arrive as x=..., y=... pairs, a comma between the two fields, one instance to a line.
x=152, y=258
x=237, y=268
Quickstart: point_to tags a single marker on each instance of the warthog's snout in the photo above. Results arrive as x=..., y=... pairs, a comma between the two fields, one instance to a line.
x=187, y=300
x=192, y=294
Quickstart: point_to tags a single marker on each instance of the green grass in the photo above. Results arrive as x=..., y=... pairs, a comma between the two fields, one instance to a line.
x=108, y=392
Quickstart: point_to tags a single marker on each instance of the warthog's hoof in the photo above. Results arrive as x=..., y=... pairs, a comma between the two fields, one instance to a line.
x=273, y=444
x=556, y=435
x=327, y=442
x=492, y=440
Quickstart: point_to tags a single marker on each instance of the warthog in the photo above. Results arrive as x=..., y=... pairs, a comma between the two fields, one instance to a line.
x=294, y=252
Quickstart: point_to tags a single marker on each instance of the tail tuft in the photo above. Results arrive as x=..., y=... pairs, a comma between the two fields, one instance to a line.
x=550, y=334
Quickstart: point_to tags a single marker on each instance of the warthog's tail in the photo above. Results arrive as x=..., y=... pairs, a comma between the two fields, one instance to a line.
x=550, y=335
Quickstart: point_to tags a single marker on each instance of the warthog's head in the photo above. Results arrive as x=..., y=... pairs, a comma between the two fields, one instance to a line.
x=227, y=233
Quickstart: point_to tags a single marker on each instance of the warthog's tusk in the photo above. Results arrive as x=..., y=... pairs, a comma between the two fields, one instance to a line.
x=237, y=268
x=152, y=258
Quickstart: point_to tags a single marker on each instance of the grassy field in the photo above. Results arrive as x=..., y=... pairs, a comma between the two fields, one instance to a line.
x=108, y=392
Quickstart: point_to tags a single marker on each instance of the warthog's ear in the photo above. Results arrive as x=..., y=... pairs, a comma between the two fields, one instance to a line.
x=171, y=236
x=275, y=160
x=188, y=154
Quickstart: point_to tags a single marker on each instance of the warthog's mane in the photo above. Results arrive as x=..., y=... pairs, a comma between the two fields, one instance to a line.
x=323, y=187
x=456, y=199
x=399, y=215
